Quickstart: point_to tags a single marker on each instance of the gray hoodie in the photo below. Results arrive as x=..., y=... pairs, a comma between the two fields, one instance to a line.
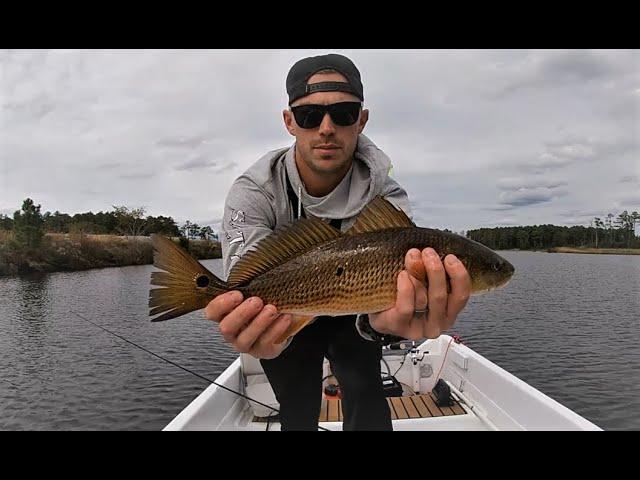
x=258, y=202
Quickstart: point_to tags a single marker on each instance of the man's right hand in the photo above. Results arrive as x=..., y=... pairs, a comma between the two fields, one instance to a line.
x=249, y=325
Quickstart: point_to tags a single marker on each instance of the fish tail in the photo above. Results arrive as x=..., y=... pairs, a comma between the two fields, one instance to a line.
x=186, y=284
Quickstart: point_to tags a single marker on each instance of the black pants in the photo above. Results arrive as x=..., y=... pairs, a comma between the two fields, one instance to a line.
x=296, y=376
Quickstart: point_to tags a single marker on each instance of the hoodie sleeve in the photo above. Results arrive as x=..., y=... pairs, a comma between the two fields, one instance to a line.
x=367, y=332
x=248, y=218
x=393, y=192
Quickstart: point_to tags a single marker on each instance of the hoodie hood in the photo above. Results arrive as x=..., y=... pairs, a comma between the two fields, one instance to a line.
x=365, y=180
x=258, y=202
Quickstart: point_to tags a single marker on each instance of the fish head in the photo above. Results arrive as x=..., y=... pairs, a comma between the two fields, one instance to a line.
x=493, y=274
x=487, y=269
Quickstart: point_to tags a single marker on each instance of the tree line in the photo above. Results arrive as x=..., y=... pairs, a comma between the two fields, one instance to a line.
x=29, y=225
x=613, y=232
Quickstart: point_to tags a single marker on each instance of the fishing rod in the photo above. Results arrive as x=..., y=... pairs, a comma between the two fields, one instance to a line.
x=180, y=366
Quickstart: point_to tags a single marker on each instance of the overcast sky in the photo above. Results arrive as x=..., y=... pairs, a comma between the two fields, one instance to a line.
x=478, y=138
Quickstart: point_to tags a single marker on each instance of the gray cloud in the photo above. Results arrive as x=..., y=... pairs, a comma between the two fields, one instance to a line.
x=226, y=167
x=581, y=217
x=557, y=69
x=199, y=162
x=578, y=150
x=527, y=196
x=185, y=142
x=202, y=161
x=629, y=200
x=576, y=66
x=34, y=109
x=584, y=221
x=630, y=179
x=560, y=154
x=136, y=176
x=477, y=137
x=525, y=191
x=498, y=208
x=515, y=183
x=506, y=222
x=111, y=165
x=582, y=213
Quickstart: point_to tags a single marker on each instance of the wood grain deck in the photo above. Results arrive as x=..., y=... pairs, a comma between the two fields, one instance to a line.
x=414, y=406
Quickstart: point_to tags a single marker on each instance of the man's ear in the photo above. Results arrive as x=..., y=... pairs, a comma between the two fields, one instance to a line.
x=289, y=122
x=364, y=118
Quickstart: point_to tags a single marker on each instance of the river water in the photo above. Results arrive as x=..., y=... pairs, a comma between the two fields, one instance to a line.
x=567, y=324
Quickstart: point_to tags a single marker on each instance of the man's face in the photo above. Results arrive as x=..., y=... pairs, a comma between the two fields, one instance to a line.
x=327, y=148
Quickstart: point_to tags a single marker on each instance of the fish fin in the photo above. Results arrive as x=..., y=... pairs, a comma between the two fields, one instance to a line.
x=297, y=323
x=186, y=284
x=379, y=214
x=283, y=244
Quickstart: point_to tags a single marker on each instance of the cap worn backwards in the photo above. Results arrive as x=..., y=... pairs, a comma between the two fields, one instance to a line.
x=302, y=70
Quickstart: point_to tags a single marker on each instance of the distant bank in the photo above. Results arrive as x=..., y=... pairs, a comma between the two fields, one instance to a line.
x=609, y=251
x=71, y=252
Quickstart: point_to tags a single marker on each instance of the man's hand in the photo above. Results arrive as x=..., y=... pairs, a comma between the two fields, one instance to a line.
x=248, y=325
x=410, y=318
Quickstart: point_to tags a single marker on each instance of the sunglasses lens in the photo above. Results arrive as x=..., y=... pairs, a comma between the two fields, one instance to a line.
x=342, y=114
x=308, y=116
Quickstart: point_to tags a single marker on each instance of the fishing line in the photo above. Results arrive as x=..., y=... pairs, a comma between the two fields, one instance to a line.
x=180, y=366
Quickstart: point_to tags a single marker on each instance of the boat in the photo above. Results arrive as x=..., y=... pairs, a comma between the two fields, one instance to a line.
x=438, y=384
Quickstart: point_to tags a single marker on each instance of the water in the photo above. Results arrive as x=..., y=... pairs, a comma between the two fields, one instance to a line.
x=566, y=324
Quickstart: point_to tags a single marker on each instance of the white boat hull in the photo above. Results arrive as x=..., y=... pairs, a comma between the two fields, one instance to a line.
x=492, y=398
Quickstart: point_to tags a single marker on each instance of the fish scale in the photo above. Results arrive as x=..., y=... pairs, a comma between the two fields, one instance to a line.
x=369, y=262
x=310, y=269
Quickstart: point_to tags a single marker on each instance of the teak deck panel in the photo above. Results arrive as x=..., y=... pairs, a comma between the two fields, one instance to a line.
x=415, y=406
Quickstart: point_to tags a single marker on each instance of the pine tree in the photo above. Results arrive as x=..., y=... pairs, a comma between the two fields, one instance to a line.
x=28, y=225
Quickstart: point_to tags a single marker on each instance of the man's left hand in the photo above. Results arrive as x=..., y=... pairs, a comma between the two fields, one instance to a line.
x=410, y=318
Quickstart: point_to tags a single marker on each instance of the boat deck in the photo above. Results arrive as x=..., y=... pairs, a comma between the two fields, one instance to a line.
x=414, y=406
x=492, y=398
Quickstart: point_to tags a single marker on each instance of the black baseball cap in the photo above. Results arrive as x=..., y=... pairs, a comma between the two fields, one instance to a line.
x=299, y=74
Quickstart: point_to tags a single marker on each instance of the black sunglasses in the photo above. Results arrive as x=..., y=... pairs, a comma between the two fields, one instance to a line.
x=342, y=114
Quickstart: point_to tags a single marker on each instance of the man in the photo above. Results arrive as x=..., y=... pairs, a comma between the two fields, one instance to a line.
x=331, y=172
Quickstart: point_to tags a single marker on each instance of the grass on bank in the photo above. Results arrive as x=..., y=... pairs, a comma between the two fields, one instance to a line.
x=78, y=251
x=608, y=251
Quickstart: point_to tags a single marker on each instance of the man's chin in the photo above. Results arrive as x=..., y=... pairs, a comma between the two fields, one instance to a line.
x=328, y=165
x=328, y=158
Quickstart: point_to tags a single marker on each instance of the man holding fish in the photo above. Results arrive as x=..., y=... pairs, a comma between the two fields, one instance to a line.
x=327, y=119
x=321, y=259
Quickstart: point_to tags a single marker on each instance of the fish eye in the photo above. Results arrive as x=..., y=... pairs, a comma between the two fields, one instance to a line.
x=495, y=266
x=202, y=281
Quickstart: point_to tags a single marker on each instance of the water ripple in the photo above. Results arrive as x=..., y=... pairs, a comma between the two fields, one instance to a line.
x=566, y=324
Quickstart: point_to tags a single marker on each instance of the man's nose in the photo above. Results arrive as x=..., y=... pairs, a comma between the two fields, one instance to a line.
x=327, y=126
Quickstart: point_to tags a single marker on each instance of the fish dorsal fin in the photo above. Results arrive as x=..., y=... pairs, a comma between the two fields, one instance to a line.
x=283, y=244
x=379, y=214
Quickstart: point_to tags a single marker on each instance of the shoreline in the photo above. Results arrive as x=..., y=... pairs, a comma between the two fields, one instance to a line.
x=596, y=251
x=62, y=252
x=583, y=250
